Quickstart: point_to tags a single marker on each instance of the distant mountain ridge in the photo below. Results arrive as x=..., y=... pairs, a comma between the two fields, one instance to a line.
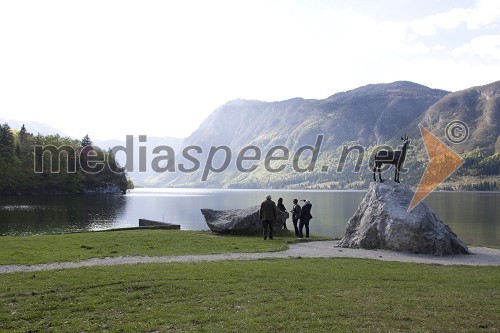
x=477, y=107
x=368, y=116
x=374, y=112
x=34, y=127
x=134, y=171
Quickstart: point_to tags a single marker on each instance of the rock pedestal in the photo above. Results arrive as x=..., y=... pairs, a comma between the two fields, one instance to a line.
x=383, y=222
x=244, y=220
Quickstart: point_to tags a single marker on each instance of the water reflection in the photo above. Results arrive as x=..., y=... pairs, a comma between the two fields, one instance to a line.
x=63, y=213
x=473, y=216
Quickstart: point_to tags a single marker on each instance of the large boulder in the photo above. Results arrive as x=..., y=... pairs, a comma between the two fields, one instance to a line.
x=383, y=222
x=245, y=220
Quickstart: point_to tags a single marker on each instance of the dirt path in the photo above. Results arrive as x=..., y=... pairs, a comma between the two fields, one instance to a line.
x=322, y=249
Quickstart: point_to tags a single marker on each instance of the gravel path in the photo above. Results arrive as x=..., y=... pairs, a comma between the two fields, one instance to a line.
x=320, y=249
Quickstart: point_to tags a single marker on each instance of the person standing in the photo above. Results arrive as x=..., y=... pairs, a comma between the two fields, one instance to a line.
x=305, y=217
x=268, y=215
x=295, y=216
x=283, y=209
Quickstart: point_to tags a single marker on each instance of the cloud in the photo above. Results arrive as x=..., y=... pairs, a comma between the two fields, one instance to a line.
x=417, y=48
x=184, y=59
x=422, y=50
x=485, y=14
x=358, y=32
x=486, y=47
x=429, y=25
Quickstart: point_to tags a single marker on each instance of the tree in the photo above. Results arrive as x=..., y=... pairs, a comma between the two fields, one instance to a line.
x=6, y=143
x=9, y=163
x=86, y=141
x=23, y=134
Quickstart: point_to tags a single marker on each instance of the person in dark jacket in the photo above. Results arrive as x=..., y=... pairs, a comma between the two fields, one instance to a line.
x=296, y=209
x=268, y=215
x=283, y=209
x=305, y=217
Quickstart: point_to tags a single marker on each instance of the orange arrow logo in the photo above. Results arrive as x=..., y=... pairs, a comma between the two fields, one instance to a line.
x=442, y=162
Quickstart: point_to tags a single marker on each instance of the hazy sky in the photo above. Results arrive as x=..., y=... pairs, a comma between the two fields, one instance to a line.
x=112, y=68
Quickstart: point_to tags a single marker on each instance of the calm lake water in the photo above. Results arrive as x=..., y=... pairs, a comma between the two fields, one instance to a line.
x=473, y=216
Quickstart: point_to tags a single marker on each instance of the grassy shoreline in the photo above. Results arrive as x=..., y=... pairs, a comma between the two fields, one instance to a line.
x=274, y=295
x=280, y=295
x=79, y=246
x=41, y=249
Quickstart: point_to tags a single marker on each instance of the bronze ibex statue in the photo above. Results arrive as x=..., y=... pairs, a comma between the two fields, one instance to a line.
x=391, y=157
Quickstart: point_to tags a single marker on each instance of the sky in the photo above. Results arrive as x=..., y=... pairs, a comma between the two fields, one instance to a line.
x=159, y=68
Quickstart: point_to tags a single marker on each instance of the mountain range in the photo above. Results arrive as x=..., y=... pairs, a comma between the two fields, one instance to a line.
x=132, y=152
x=34, y=127
x=368, y=117
x=322, y=143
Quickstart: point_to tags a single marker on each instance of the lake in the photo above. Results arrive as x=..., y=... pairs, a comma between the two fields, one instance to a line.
x=473, y=216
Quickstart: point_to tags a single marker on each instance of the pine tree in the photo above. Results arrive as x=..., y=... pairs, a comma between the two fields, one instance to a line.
x=86, y=141
x=9, y=163
x=6, y=143
x=23, y=134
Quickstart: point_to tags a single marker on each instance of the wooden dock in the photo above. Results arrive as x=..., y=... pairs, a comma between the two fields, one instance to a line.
x=158, y=224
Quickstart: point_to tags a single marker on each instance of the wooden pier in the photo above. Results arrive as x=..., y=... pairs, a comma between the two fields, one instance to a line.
x=158, y=225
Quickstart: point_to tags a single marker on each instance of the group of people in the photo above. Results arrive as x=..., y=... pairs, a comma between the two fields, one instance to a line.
x=301, y=216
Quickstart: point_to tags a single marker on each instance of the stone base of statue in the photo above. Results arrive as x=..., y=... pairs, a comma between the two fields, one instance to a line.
x=383, y=222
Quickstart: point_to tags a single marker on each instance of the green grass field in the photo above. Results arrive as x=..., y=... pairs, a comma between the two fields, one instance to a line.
x=287, y=295
x=282, y=295
x=28, y=250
